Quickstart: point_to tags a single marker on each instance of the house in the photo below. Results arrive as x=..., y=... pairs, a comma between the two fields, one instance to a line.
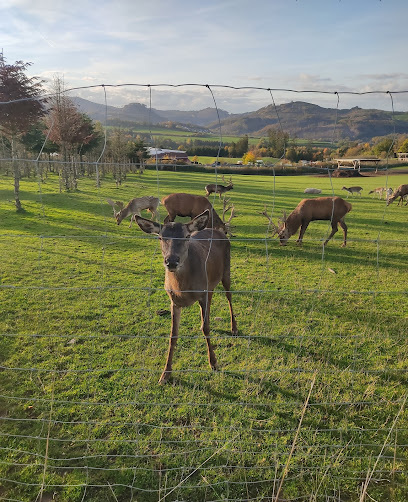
x=163, y=153
x=402, y=156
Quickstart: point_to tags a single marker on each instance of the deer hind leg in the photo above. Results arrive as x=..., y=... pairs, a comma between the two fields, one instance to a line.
x=205, y=305
x=175, y=323
x=302, y=231
x=344, y=228
x=334, y=230
x=226, y=282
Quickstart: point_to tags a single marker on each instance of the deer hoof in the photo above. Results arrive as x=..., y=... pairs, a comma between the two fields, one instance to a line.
x=165, y=377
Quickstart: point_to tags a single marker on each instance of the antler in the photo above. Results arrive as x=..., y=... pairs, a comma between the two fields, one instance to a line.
x=225, y=209
x=116, y=206
x=270, y=222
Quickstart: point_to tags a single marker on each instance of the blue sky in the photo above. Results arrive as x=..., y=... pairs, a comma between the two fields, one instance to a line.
x=324, y=45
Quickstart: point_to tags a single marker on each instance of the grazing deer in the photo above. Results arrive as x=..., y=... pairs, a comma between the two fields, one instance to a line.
x=134, y=207
x=333, y=209
x=219, y=189
x=196, y=259
x=185, y=204
x=400, y=192
x=353, y=190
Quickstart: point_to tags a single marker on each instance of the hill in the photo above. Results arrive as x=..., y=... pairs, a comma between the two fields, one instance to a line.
x=299, y=119
x=309, y=121
x=139, y=113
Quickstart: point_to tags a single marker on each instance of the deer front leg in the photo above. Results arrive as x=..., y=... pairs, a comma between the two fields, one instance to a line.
x=175, y=322
x=205, y=305
x=334, y=230
x=302, y=231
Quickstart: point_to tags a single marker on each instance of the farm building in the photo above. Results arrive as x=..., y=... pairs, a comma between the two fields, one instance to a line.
x=162, y=153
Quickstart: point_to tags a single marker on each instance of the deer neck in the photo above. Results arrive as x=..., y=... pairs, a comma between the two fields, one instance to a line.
x=293, y=222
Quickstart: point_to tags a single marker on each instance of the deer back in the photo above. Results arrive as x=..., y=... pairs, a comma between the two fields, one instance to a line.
x=184, y=204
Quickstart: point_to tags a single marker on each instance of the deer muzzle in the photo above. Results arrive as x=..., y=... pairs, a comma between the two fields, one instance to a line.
x=172, y=262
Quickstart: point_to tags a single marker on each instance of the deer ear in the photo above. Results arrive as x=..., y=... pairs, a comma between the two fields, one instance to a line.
x=199, y=222
x=148, y=226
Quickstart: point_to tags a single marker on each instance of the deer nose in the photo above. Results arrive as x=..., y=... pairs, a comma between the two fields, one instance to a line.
x=172, y=262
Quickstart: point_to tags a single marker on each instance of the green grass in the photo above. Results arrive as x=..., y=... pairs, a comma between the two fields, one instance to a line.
x=83, y=345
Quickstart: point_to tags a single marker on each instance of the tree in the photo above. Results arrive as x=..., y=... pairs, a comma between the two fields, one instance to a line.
x=241, y=146
x=69, y=129
x=404, y=146
x=277, y=141
x=23, y=106
x=383, y=147
x=249, y=158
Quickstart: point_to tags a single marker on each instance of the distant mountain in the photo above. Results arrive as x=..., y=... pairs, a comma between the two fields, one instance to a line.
x=309, y=121
x=136, y=112
x=299, y=119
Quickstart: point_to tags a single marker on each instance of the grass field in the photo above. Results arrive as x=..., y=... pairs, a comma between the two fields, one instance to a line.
x=309, y=402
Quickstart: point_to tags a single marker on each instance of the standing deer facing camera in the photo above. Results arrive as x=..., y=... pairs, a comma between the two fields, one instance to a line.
x=196, y=259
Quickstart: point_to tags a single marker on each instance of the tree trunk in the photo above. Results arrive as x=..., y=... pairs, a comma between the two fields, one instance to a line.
x=16, y=172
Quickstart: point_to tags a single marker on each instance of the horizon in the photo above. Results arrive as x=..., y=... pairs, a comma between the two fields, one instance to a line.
x=231, y=113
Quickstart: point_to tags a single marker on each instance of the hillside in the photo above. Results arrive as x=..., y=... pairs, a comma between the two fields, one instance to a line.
x=138, y=113
x=299, y=119
x=309, y=121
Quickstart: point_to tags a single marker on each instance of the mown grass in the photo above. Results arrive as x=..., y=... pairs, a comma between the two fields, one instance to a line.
x=84, y=332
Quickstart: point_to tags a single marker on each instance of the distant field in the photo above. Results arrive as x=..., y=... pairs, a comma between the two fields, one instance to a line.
x=84, y=334
x=177, y=135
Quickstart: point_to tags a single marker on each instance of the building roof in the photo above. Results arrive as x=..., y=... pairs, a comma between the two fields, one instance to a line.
x=163, y=151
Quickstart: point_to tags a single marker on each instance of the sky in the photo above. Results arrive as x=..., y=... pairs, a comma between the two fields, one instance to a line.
x=327, y=46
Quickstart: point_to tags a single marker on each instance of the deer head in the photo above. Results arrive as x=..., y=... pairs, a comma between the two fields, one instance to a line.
x=280, y=229
x=174, y=237
x=227, y=223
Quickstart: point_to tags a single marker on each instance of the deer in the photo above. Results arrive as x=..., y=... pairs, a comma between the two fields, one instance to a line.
x=196, y=259
x=333, y=209
x=312, y=190
x=185, y=204
x=400, y=192
x=134, y=207
x=379, y=191
x=353, y=190
x=219, y=189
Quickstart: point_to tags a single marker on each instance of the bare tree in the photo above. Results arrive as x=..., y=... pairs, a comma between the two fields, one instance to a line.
x=69, y=129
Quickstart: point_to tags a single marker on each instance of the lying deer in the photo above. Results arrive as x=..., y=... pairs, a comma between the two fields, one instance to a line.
x=353, y=190
x=196, y=259
x=312, y=190
x=134, y=207
x=219, y=189
x=333, y=209
x=185, y=204
x=400, y=192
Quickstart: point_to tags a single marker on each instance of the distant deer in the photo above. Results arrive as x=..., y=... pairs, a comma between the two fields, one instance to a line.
x=185, y=204
x=377, y=191
x=312, y=190
x=333, y=209
x=196, y=259
x=219, y=189
x=134, y=207
x=400, y=192
x=353, y=190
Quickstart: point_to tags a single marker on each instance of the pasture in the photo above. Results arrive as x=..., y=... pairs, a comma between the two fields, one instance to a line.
x=309, y=402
